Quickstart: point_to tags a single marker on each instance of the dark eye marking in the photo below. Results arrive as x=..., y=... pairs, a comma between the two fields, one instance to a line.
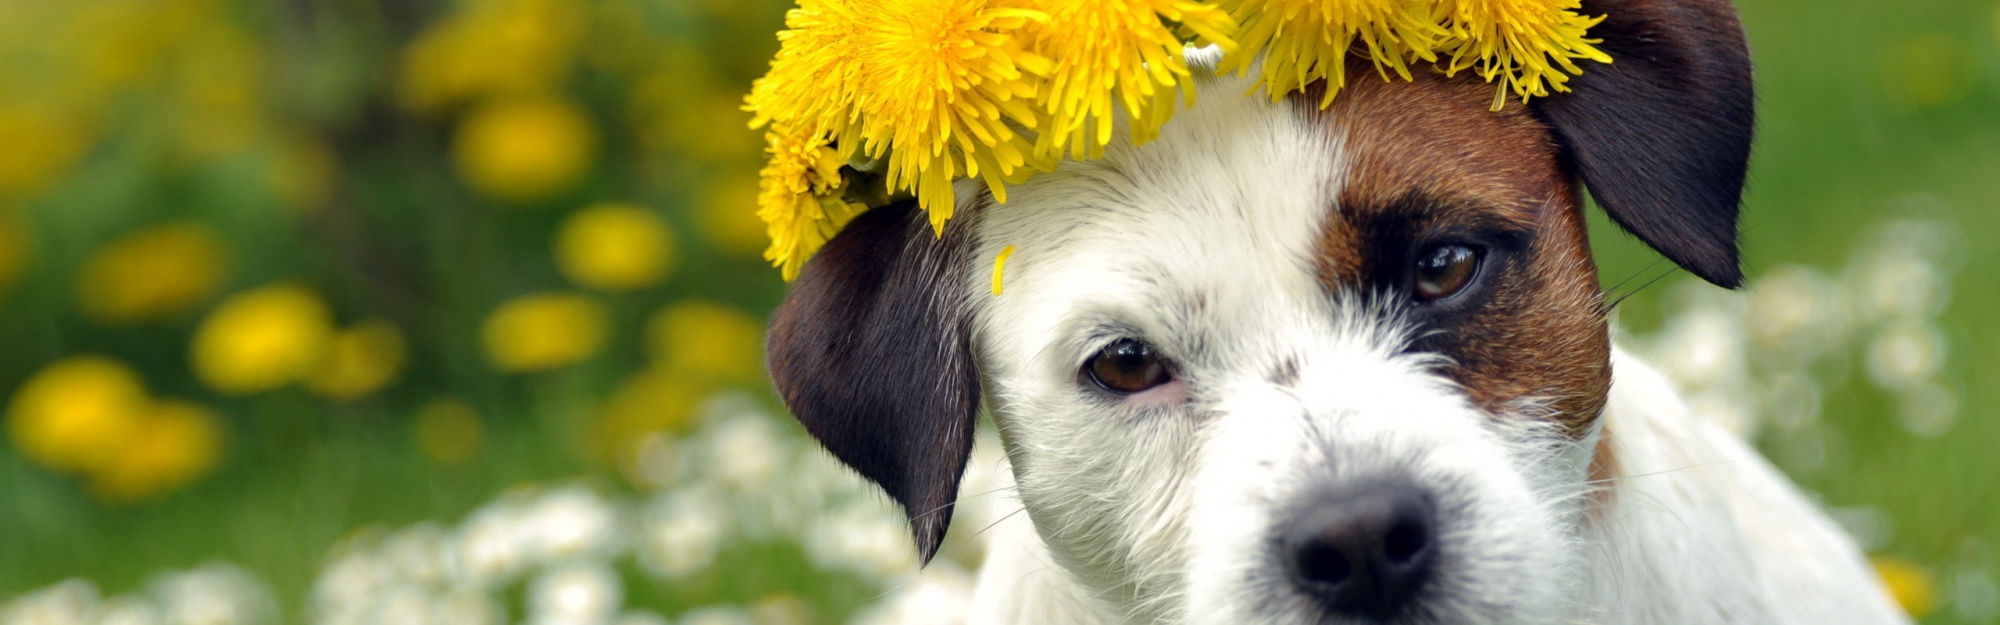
x=1437, y=250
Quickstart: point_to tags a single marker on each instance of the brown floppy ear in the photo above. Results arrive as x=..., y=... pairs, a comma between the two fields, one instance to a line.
x=1661, y=135
x=870, y=353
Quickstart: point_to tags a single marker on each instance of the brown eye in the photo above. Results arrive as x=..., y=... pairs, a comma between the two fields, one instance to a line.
x=1444, y=270
x=1127, y=366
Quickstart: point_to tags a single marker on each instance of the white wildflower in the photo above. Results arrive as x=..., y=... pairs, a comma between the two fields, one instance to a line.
x=399, y=605
x=717, y=615
x=492, y=544
x=467, y=607
x=1928, y=409
x=420, y=554
x=68, y=602
x=936, y=597
x=127, y=611
x=572, y=522
x=744, y=452
x=575, y=593
x=781, y=609
x=638, y=617
x=215, y=594
x=660, y=463
x=865, y=537
x=683, y=530
x=1905, y=354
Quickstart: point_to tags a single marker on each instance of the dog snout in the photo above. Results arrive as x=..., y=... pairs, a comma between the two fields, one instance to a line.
x=1365, y=551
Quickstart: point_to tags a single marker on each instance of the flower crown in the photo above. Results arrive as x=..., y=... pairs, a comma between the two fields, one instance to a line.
x=869, y=101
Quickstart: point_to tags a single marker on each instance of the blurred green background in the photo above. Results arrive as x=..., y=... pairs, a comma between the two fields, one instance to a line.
x=279, y=277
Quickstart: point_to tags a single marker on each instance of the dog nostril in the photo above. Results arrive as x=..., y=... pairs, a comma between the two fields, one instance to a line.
x=1405, y=542
x=1323, y=564
x=1364, y=551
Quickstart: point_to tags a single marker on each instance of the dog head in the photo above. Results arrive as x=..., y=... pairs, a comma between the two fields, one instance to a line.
x=1282, y=363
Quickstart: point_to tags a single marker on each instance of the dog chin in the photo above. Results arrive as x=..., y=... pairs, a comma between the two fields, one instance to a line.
x=1503, y=493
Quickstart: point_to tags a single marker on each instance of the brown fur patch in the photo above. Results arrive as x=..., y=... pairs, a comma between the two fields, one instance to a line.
x=1603, y=469
x=1428, y=159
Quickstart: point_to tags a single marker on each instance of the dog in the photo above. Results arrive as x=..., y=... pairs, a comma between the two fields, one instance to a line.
x=1352, y=364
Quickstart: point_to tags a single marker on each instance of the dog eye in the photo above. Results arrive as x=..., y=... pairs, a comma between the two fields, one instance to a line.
x=1444, y=270
x=1127, y=366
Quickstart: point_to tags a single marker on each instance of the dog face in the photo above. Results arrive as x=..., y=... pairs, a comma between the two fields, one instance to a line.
x=1285, y=364
x=1215, y=350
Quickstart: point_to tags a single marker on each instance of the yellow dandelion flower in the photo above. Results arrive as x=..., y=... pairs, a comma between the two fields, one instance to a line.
x=615, y=247
x=1303, y=41
x=706, y=342
x=799, y=198
x=261, y=339
x=544, y=331
x=78, y=413
x=931, y=88
x=526, y=149
x=153, y=274
x=1117, y=52
x=448, y=431
x=1528, y=46
x=175, y=444
x=1910, y=584
x=810, y=83
x=359, y=361
x=942, y=81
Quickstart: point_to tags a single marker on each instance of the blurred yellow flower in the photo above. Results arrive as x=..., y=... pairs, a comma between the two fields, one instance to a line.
x=648, y=401
x=728, y=215
x=176, y=443
x=676, y=109
x=492, y=47
x=526, y=149
x=1909, y=583
x=707, y=343
x=544, y=331
x=78, y=413
x=615, y=247
x=217, y=91
x=448, y=431
x=42, y=145
x=261, y=339
x=1927, y=71
x=153, y=274
x=359, y=361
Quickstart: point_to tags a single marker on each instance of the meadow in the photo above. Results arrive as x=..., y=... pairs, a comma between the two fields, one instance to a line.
x=364, y=311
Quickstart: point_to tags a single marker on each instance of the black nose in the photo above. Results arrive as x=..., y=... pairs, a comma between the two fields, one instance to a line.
x=1366, y=551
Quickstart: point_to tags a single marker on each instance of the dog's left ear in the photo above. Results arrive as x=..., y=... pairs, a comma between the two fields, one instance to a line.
x=1661, y=135
x=871, y=354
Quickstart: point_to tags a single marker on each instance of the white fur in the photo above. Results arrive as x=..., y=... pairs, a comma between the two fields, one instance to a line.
x=1202, y=243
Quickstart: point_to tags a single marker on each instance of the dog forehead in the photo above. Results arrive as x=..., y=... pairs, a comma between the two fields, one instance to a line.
x=1241, y=192
x=1219, y=211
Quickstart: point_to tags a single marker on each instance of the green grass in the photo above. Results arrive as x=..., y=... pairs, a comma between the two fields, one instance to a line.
x=1839, y=152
